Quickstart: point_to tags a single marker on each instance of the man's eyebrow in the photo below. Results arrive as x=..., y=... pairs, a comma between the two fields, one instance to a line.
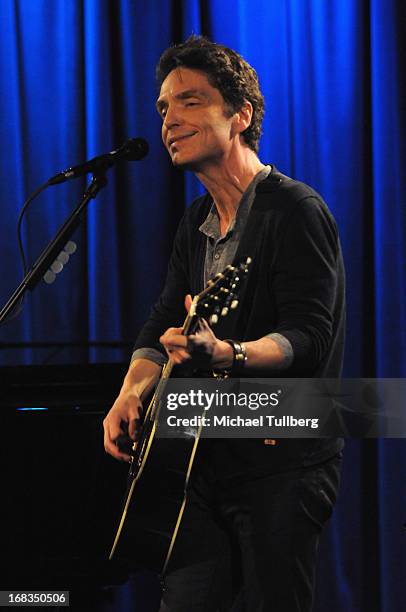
x=187, y=93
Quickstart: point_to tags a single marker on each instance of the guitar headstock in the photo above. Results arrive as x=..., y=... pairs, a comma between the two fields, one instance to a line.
x=221, y=293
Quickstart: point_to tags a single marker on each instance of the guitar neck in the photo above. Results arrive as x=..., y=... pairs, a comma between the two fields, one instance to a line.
x=168, y=367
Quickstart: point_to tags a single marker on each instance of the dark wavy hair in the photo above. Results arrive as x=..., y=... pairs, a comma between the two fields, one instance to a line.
x=226, y=70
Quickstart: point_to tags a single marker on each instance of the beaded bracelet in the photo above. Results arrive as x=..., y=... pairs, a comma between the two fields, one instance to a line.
x=240, y=356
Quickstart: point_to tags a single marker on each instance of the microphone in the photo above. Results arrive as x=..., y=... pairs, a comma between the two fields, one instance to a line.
x=133, y=149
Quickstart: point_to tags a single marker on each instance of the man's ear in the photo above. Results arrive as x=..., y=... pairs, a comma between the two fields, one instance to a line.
x=243, y=117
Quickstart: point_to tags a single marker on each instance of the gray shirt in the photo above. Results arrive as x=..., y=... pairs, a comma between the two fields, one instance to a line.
x=220, y=251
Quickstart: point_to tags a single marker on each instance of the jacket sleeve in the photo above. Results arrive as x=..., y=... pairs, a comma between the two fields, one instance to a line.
x=169, y=310
x=304, y=282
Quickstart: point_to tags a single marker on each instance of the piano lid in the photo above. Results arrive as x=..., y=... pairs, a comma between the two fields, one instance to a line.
x=75, y=388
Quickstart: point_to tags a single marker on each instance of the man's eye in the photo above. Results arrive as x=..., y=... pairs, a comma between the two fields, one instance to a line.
x=191, y=103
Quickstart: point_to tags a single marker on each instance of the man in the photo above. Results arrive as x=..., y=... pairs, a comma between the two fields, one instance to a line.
x=249, y=536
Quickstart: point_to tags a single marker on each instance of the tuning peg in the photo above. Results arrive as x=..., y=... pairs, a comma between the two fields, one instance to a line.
x=234, y=304
x=224, y=311
x=213, y=319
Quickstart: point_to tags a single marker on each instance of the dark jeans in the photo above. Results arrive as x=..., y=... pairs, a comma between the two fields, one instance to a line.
x=252, y=547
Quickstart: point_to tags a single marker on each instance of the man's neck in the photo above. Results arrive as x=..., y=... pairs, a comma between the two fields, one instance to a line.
x=226, y=183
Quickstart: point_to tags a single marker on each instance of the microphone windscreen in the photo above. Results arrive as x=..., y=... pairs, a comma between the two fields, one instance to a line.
x=136, y=149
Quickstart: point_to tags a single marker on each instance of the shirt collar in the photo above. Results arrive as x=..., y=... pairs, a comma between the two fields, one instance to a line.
x=211, y=225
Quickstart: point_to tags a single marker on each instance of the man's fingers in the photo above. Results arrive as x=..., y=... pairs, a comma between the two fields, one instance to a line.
x=134, y=428
x=112, y=448
x=173, y=341
x=188, y=302
x=203, y=325
x=172, y=331
x=120, y=431
x=112, y=427
x=179, y=356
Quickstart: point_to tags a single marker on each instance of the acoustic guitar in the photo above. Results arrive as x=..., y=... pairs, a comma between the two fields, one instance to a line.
x=160, y=468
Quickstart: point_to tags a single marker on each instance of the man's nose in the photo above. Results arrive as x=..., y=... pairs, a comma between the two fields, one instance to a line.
x=172, y=117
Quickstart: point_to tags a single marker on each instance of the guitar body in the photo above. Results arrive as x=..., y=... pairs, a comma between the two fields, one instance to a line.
x=156, y=503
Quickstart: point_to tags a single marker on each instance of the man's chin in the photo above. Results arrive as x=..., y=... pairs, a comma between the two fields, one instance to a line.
x=183, y=164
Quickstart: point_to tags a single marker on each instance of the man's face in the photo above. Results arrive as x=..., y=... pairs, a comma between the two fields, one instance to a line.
x=196, y=128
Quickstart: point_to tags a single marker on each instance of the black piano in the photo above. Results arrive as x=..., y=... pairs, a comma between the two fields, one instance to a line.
x=61, y=494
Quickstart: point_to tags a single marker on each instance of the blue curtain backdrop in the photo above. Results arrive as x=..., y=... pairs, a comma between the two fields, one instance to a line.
x=77, y=79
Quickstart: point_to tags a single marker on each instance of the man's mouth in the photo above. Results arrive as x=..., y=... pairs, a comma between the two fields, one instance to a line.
x=175, y=139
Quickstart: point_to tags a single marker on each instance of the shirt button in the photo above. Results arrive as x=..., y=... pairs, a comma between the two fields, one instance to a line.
x=217, y=256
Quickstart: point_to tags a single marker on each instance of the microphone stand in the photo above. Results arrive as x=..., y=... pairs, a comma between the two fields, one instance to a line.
x=49, y=254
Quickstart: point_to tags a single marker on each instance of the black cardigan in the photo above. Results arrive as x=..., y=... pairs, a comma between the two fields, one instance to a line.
x=295, y=287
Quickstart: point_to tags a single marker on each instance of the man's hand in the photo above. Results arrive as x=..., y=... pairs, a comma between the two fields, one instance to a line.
x=123, y=421
x=203, y=346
